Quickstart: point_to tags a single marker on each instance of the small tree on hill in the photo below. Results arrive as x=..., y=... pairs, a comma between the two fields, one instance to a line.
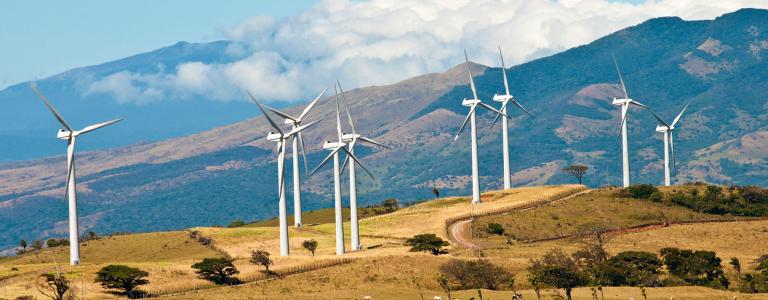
x=54, y=286
x=495, y=228
x=436, y=192
x=477, y=274
x=122, y=277
x=218, y=270
x=261, y=257
x=391, y=204
x=443, y=282
x=23, y=244
x=559, y=271
x=37, y=245
x=427, y=242
x=577, y=171
x=310, y=245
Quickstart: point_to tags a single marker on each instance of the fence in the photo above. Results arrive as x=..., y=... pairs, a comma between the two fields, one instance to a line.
x=512, y=207
x=251, y=277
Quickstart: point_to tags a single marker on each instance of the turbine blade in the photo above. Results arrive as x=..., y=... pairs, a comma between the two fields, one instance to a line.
x=471, y=110
x=312, y=104
x=623, y=87
x=521, y=107
x=338, y=117
x=344, y=165
x=672, y=149
x=70, y=167
x=271, y=122
x=471, y=79
x=280, y=113
x=301, y=128
x=99, y=125
x=679, y=115
x=621, y=126
x=357, y=161
x=281, y=184
x=303, y=151
x=496, y=118
x=651, y=111
x=493, y=109
x=371, y=141
x=325, y=161
x=504, y=72
x=47, y=103
x=346, y=107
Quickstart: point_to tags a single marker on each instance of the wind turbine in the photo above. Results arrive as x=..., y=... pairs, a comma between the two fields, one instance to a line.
x=624, y=103
x=281, y=138
x=351, y=140
x=295, y=122
x=335, y=147
x=669, y=144
x=472, y=104
x=505, y=99
x=70, y=136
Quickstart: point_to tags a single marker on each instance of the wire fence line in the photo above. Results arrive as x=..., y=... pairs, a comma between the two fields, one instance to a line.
x=193, y=287
x=511, y=208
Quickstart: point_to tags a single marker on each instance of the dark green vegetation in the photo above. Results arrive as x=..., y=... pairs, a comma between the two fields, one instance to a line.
x=601, y=210
x=427, y=242
x=667, y=63
x=477, y=274
x=218, y=270
x=261, y=257
x=712, y=199
x=310, y=245
x=122, y=277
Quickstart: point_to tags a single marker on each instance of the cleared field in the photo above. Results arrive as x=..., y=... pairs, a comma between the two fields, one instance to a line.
x=598, y=209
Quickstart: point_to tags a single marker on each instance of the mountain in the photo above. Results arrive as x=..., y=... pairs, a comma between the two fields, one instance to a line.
x=212, y=177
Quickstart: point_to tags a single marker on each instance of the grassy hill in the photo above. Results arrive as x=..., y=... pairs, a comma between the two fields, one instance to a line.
x=387, y=270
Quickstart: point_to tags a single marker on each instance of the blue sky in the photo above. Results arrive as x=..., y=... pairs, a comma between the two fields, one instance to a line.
x=41, y=38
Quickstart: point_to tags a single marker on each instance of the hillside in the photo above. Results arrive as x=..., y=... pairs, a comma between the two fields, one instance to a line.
x=213, y=177
x=386, y=270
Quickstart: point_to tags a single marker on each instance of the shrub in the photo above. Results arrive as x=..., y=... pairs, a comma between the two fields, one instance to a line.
x=557, y=270
x=641, y=191
x=695, y=267
x=391, y=204
x=427, y=242
x=476, y=274
x=217, y=270
x=37, y=245
x=635, y=268
x=236, y=223
x=57, y=242
x=123, y=278
x=495, y=228
x=310, y=245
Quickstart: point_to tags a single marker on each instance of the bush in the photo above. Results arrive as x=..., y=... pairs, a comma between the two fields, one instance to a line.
x=635, y=268
x=495, y=228
x=57, y=242
x=695, y=267
x=476, y=274
x=236, y=223
x=217, y=270
x=557, y=270
x=37, y=245
x=261, y=257
x=641, y=191
x=427, y=242
x=310, y=245
x=123, y=278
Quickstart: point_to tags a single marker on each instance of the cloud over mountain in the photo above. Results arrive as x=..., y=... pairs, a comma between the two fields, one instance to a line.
x=381, y=41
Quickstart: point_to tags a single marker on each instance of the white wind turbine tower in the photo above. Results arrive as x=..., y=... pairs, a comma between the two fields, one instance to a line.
x=295, y=122
x=281, y=138
x=669, y=144
x=351, y=140
x=472, y=104
x=625, y=103
x=505, y=99
x=70, y=136
x=335, y=147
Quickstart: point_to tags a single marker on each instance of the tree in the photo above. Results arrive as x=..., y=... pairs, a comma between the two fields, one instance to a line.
x=122, y=277
x=427, y=242
x=218, y=270
x=37, y=245
x=23, y=244
x=476, y=274
x=695, y=267
x=54, y=286
x=436, y=192
x=236, y=223
x=534, y=278
x=559, y=271
x=261, y=257
x=577, y=171
x=310, y=245
x=92, y=235
x=736, y=265
x=391, y=204
x=495, y=228
x=637, y=268
x=641, y=191
x=443, y=282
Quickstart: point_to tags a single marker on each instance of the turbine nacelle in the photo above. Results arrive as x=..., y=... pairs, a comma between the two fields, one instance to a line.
x=662, y=128
x=333, y=145
x=348, y=137
x=502, y=98
x=470, y=102
x=274, y=137
x=64, y=134
x=621, y=101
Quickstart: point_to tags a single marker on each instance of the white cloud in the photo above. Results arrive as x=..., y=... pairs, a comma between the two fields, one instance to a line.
x=383, y=41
